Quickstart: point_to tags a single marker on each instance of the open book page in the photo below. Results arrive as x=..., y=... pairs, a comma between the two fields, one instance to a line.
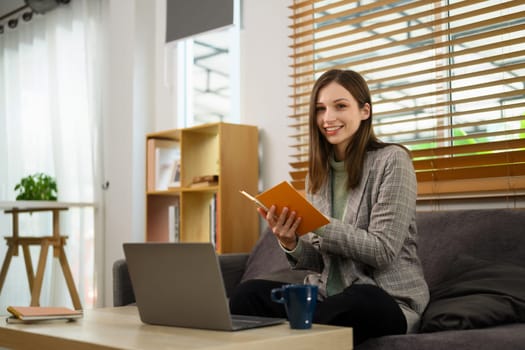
x=285, y=195
x=255, y=200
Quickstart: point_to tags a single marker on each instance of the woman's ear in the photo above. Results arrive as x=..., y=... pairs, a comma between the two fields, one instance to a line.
x=365, y=111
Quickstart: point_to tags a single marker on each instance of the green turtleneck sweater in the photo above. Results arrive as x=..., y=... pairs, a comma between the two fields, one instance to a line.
x=335, y=283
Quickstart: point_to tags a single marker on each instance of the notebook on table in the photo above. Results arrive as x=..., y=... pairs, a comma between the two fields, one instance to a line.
x=180, y=284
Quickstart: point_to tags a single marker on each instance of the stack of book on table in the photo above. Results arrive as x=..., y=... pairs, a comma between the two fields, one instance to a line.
x=28, y=314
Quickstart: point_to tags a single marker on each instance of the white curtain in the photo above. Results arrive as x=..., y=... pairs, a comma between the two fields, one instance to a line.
x=50, y=112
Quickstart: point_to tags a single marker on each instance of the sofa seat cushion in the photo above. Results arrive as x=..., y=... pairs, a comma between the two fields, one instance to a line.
x=507, y=337
x=476, y=294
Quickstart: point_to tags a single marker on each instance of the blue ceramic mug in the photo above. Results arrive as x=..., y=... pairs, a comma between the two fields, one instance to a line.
x=299, y=301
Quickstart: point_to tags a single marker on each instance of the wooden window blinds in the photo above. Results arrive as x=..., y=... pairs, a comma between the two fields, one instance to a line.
x=447, y=81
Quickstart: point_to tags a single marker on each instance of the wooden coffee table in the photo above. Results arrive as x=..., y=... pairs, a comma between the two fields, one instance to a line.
x=121, y=328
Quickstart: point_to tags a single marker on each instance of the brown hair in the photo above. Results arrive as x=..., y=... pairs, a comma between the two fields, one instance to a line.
x=363, y=140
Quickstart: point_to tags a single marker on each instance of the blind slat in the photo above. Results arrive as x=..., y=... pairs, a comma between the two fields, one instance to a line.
x=508, y=170
x=425, y=39
x=454, y=126
x=472, y=148
x=493, y=134
x=483, y=187
x=439, y=117
x=470, y=161
x=300, y=76
x=308, y=21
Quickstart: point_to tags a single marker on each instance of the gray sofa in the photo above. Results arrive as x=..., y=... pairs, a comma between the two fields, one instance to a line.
x=474, y=263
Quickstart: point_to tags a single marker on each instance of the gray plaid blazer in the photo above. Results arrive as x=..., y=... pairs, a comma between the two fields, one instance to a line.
x=375, y=242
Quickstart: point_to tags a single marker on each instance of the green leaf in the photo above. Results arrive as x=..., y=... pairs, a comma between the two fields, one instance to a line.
x=38, y=186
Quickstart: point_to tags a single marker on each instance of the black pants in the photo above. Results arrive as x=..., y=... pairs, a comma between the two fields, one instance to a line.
x=369, y=310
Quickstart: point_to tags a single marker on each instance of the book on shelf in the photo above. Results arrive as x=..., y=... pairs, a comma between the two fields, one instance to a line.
x=174, y=181
x=174, y=223
x=213, y=220
x=285, y=195
x=217, y=233
x=204, y=184
x=42, y=313
x=163, y=164
x=205, y=180
x=215, y=228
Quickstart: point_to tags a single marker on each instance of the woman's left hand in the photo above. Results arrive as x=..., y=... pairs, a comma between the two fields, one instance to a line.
x=284, y=226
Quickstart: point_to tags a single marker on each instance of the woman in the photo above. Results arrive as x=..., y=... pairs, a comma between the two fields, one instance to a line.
x=365, y=260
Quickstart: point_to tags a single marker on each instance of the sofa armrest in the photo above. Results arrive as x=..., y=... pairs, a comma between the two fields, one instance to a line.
x=232, y=268
x=122, y=289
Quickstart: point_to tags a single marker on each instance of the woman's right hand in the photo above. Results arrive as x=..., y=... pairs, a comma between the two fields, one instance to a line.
x=284, y=226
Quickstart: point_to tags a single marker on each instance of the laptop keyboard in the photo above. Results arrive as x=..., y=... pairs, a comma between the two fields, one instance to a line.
x=241, y=321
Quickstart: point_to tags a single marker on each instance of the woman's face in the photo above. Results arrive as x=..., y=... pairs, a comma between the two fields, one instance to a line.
x=339, y=116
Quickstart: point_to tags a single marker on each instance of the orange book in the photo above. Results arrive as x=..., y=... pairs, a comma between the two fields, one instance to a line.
x=285, y=195
x=34, y=313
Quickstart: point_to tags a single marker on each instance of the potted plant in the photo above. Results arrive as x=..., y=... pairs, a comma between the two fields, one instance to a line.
x=38, y=186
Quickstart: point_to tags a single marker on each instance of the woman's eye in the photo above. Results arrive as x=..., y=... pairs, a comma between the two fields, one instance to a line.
x=341, y=106
x=320, y=108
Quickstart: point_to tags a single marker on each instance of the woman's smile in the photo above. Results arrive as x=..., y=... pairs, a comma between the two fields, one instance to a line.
x=332, y=130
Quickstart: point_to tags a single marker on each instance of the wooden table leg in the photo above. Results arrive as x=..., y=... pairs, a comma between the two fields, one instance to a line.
x=37, y=287
x=29, y=265
x=15, y=232
x=5, y=265
x=56, y=233
x=69, y=279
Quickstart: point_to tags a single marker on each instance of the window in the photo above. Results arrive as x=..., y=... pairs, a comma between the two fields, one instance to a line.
x=50, y=122
x=446, y=79
x=207, y=37
x=208, y=72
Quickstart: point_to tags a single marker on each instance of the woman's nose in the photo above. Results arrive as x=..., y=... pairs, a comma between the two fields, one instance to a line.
x=329, y=115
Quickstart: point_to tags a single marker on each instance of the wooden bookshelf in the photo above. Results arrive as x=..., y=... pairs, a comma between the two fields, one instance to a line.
x=227, y=150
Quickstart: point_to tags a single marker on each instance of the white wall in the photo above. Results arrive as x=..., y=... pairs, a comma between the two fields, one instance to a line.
x=265, y=82
x=118, y=140
x=137, y=101
x=128, y=113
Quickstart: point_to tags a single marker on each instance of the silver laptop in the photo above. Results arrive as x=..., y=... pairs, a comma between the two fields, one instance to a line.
x=180, y=284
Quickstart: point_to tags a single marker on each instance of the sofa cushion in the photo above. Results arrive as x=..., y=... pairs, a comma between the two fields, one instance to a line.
x=491, y=234
x=476, y=293
x=268, y=261
x=507, y=337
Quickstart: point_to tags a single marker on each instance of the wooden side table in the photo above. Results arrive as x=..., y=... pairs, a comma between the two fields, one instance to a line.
x=56, y=241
